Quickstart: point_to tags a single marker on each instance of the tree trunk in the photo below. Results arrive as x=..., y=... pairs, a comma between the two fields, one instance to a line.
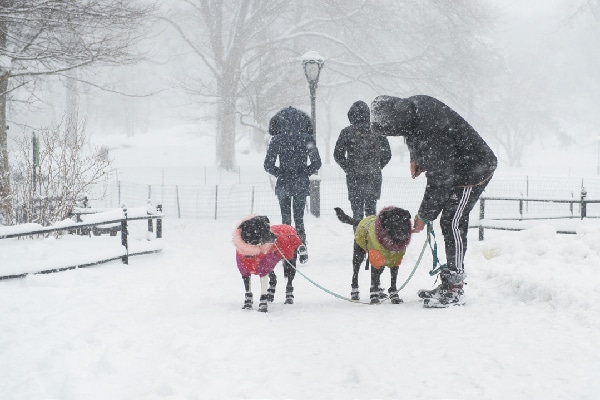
x=5, y=198
x=226, y=126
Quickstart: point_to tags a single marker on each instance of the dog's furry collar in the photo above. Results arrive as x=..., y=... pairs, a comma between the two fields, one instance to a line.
x=248, y=249
x=384, y=238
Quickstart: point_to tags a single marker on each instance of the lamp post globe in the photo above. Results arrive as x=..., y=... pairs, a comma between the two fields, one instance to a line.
x=312, y=62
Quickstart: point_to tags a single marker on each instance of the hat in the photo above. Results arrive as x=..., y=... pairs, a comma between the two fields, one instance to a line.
x=257, y=230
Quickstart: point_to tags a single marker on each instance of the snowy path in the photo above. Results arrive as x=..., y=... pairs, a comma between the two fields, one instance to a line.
x=169, y=326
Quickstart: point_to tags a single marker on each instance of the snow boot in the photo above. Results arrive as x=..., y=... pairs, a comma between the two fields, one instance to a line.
x=247, y=302
x=448, y=293
x=262, y=305
x=354, y=294
x=394, y=297
x=289, y=295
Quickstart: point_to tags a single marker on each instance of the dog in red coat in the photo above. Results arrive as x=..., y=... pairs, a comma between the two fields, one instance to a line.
x=259, y=248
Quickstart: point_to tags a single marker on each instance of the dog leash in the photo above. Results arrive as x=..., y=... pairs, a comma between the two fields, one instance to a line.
x=339, y=296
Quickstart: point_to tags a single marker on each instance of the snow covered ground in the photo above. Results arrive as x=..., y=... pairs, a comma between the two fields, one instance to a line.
x=170, y=325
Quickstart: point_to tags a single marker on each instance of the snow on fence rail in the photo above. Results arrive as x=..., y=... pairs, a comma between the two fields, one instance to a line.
x=98, y=221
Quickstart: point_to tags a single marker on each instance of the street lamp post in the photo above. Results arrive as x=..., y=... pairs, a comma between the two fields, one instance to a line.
x=312, y=63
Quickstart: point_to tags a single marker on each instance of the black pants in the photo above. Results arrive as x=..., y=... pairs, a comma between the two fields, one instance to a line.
x=455, y=223
x=363, y=206
x=299, y=203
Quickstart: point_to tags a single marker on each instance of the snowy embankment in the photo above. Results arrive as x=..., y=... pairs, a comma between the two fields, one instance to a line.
x=170, y=325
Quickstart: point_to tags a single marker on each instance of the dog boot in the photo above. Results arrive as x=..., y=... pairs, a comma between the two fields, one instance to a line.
x=262, y=305
x=354, y=294
x=289, y=295
x=394, y=297
x=272, y=286
x=247, y=302
x=375, y=295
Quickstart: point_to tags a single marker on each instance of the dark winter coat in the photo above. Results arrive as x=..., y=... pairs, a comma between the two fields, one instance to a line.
x=294, y=145
x=440, y=141
x=362, y=154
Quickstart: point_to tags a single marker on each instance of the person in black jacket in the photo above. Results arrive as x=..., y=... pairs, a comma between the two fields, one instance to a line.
x=362, y=154
x=294, y=144
x=458, y=165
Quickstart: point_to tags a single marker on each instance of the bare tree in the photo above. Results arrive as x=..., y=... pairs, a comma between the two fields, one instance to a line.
x=40, y=38
x=49, y=183
x=249, y=51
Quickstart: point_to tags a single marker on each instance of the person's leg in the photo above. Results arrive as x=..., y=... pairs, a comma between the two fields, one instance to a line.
x=357, y=204
x=455, y=224
x=298, y=206
x=285, y=205
x=370, y=206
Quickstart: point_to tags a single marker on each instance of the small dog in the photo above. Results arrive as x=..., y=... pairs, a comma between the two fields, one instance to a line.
x=383, y=238
x=259, y=247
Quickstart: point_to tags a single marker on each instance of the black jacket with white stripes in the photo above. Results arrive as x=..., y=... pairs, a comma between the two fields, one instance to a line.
x=441, y=143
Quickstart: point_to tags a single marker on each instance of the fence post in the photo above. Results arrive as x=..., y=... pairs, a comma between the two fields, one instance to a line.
x=159, y=222
x=583, y=203
x=125, y=258
x=150, y=222
x=481, y=216
x=521, y=209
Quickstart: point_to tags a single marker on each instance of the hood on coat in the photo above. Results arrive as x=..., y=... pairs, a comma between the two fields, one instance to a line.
x=359, y=114
x=392, y=116
x=290, y=120
x=393, y=228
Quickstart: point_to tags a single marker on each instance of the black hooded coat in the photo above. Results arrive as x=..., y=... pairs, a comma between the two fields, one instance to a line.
x=440, y=142
x=294, y=144
x=362, y=154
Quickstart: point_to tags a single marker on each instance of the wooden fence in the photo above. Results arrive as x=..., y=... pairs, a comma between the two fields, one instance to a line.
x=97, y=221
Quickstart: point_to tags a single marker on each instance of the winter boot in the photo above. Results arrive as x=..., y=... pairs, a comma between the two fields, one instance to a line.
x=394, y=297
x=289, y=295
x=354, y=294
x=262, y=305
x=247, y=302
x=449, y=292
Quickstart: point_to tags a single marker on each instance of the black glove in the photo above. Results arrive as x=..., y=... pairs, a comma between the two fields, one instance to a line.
x=302, y=254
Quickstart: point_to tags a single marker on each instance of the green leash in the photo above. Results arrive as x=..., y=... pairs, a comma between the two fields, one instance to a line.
x=437, y=266
x=339, y=296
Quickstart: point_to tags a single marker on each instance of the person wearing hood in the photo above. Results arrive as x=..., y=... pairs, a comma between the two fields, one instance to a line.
x=458, y=165
x=294, y=145
x=362, y=154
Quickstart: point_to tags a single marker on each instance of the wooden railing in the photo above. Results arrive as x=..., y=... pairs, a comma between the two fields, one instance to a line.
x=95, y=221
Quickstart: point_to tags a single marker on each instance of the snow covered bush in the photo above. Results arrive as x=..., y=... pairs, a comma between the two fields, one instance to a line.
x=49, y=179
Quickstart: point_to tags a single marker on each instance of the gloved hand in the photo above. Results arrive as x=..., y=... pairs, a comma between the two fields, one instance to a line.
x=302, y=254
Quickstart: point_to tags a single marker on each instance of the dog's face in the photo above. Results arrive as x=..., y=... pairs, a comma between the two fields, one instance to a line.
x=257, y=231
x=396, y=222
